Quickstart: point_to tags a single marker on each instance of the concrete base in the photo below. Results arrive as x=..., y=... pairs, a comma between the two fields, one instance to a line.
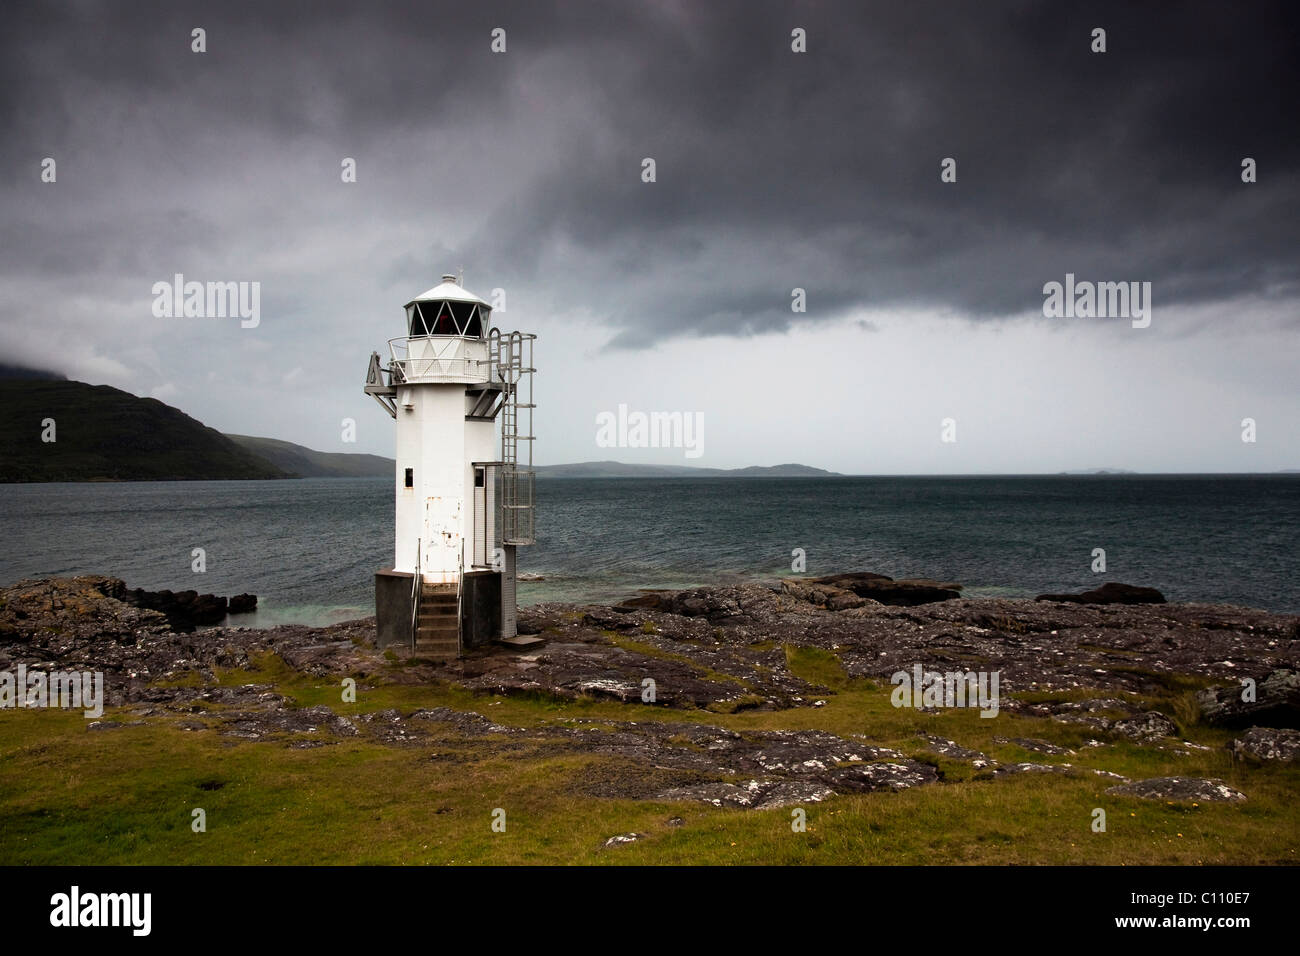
x=393, y=607
x=480, y=608
x=480, y=622
x=521, y=641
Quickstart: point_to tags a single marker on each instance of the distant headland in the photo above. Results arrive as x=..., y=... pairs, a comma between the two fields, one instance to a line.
x=52, y=429
x=618, y=469
x=101, y=433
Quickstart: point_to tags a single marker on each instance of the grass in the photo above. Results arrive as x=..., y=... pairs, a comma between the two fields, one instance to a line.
x=651, y=650
x=816, y=666
x=71, y=794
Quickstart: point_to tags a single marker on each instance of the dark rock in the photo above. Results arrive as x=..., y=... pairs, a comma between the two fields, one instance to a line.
x=893, y=775
x=715, y=604
x=844, y=600
x=1183, y=789
x=1112, y=593
x=254, y=725
x=954, y=751
x=811, y=752
x=1276, y=703
x=904, y=593
x=185, y=610
x=66, y=613
x=853, y=579
x=756, y=794
x=1151, y=725
x=607, y=619
x=823, y=596
x=653, y=600
x=243, y=603
x=583, y=661
x=1268, y=743
x=1035, y=745
x=1092, y=705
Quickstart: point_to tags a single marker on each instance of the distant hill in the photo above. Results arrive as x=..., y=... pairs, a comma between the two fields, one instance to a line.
x=23, y=372
x=617, y=469
x=1099, y=471
x=103, y=433
x=308, y=463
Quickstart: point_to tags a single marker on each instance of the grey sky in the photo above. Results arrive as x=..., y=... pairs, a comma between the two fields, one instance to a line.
x=775, y=170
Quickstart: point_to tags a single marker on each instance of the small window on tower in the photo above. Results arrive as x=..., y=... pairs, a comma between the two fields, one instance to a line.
x=478, y=477
x=410, y=477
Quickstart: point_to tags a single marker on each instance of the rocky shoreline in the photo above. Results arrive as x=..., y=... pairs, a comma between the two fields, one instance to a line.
x=720, y=650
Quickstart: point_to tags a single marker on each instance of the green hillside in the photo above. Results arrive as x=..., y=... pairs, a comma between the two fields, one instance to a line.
x=103, y=433
x=308, y=463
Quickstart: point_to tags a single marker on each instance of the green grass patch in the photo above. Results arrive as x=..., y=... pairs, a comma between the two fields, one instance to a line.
x=816, y=666
x=126, y=795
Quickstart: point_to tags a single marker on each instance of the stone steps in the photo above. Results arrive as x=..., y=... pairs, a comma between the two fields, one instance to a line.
x=437, y=634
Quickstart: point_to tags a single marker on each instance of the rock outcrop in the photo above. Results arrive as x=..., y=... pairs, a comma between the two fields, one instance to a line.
x=243, y=603
x=71, y=611
x=908, y=592
x=718, y=649
x=186, y=610
x=1269, y=744
x=1179, y=789
x=1274, y=702
x=96, y=605
x=1113, y=593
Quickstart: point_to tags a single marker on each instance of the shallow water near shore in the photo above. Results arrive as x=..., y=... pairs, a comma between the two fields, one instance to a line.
x=309, y=548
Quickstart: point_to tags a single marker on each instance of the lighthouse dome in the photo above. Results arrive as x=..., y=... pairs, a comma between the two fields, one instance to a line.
x=448, y=309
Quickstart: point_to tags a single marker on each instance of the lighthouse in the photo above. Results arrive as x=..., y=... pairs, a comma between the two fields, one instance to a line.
x=461, y=395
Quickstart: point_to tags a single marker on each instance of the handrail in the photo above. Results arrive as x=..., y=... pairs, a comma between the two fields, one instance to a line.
x=460, y=592
x=458, y=366
x=416, y=594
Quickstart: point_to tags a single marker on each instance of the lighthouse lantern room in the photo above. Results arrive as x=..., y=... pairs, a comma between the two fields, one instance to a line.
x=461, y=394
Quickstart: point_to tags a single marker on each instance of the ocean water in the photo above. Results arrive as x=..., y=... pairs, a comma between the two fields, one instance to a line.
x=309, y=548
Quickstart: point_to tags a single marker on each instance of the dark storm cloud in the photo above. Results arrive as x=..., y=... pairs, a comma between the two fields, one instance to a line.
x=775, y=169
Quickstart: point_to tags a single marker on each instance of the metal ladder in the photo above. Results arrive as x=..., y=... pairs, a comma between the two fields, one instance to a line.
x=512, y=363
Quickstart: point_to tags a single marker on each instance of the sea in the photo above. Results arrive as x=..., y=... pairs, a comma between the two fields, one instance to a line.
x=309, y=548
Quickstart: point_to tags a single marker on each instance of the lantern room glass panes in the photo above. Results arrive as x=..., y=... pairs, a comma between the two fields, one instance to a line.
x=470, y=322
x=445, y=318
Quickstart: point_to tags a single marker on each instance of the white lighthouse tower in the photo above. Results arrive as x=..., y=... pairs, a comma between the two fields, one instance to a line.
x=464, y=496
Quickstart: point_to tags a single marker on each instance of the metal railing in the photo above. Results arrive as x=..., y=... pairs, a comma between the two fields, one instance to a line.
x=517, y=504
x=417, y=594
x=460, y=593
x=404, y=368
